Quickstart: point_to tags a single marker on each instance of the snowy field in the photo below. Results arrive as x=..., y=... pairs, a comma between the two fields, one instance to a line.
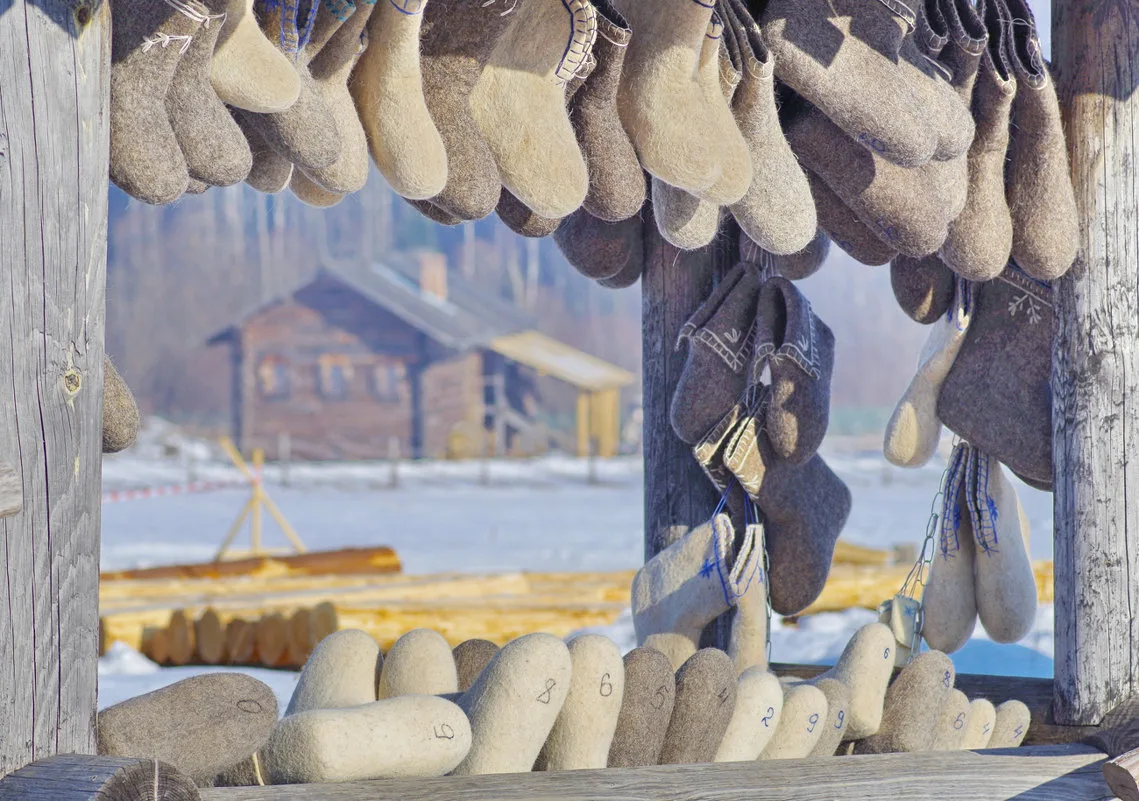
x=542, y=515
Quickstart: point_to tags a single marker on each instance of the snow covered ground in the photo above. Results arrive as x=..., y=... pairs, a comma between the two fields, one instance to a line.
x=547, y=514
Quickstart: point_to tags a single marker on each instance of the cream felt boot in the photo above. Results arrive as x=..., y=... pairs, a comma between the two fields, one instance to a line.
x=865, y=667
x=844, y=228
x=684, y=220
x=913, y=706
x=387, y=86
x=514, y=703
x=949, y=603
x=583, y=732
x=952, y=723
x=979, y=724
x=519, y=104
x=801, y=724
x=705, y=701
x=646, y=709
x=471, y=657
x=413, y=735
x=343, y=670
x=312, y=193
x=719, y=74
x=923, y=288
x=747, y=644
x=419, y=663
x=838, y=715
x=247, y=71
x=661, y=103
x=913, y=430
x=759, y=703
x=271, y=172
x=1010, y=725
x=1006, y=585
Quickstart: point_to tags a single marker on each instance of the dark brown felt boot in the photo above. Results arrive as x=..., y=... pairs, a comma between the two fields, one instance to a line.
x=998, y=394
x=967, y=37
x=844, y=228
x=471, y=656
x=646, y=709
x=270, y=171
x=923, y=287
x=798, y=348
x=720, y=336
x=213, y=145
x=931, y=28
x=616, y=183
x=705, y=701
x=522, y=220
x=147, y=43
x=202, y=725
x=120, y=412
x=599, y=249
x=793, y=266
x=434, y=213
x=1045, y=222
x=913, y=707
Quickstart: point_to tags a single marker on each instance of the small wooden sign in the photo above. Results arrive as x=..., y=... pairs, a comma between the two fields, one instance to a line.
x=11, y=491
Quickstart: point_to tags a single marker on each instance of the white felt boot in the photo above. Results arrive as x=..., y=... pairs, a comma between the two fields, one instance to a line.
x=865, y=667
x=419, y=663
x=747, y=584
x=1010, y=725
x=979, y=726
x=952, y=725
x=759, y=704
x=342, y=671
x=801, y=724
x=838, y=714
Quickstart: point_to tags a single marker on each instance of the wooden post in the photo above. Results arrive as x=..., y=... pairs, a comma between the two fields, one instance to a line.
x=54, y=145
x=1095, y=378
x=98, y=778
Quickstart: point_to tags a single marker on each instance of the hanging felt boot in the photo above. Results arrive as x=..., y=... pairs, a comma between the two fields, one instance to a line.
x=865, y=667
x=121, y=419
x=844, y=228
x=270, y=172
x=931, y=29
x=1041, y=199
x=1006, y=585
x=792, y=266
x=949, y=735
x=419, y=663
x=924, y=288
x=1010, y=725
x=471, y=657
x=998, y=393
x=599, y=249
x=342, y=671
x=311, y=193
x=616, y=179
x=979, y=726
x=660, y=96
x=914, y=428
x=387, y=87
x=705, y=701
x=719, y=74
x=949, y=603
x=646, y=709
x=759, y=703
x=747, y=643
x=583, y=731
x=913, y=707
x=147, y=44
x=801, y=723
x=519, y=104
x=798, y=348
x=720, y=336
x=212, y=144
x=514, y=704
x=980, y=239
x=247, y=71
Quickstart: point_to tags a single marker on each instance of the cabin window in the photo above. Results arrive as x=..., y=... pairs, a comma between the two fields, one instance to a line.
x=387, y=381
x=274, y=378
x=335, y=374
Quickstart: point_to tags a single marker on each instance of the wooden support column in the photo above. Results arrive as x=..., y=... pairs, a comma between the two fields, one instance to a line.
x=54, y=144
x=1095, y=378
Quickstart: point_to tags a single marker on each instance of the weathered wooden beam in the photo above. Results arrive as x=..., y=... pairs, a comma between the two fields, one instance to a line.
x=54, y=146
x=71, y=777
x=11, y=491
x=1122, y=775
x=1047, y=773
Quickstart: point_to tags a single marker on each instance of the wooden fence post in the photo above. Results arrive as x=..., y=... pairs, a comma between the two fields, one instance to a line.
x=1095, y=377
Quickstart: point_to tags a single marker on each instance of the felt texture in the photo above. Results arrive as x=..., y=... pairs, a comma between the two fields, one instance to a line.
x=661, y=103
x=684, y=220
x=412, y=735
x=514, y=704
x=913, y=706
x=270, y=172
x=759, y=704
x=646, y=709
x=931, y=29
x=1038, y=184
x=838, y=697
x=980, y=239
x=247, y=71
x=844, y=228
x=196, y=187
x=311, y=193
x=519, y=104
x=949, y=604
x=471, y=657
x=705, y=701
x=522, y=220
x=798, y=348
x=434, y=213
x=626, y=277
x=1006, y=585
x=801, y=724
x=222, y=719
x=747, y=586
x=147, y=43
x=1010, y=725
x=998, y=393
x=598, y=249
x=213, y=145
x=616, y=179
x=949, y=734
x=247, y=773
x=387, y=87
x=979, y=724
x=913, y=431
x=343, y=670
x=924, y=288
x=719, y=73
x=805, y=263
x=720, y=336
x=583, y=731
x=120, y=411
x=865, y=667
x=419, y=663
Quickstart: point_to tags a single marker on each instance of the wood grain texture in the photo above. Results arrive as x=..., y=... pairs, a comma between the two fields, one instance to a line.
x=54, y=145
x=71, y=777
x=1121, y=775
x=1047, y=773
x=1119, y=731
x=1095, y=374
x=11, y=491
